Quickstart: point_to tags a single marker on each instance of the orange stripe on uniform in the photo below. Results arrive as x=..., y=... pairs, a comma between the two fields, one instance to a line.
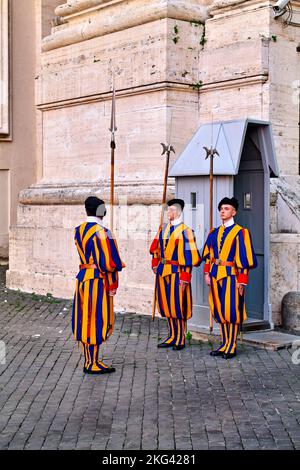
x=91, y=231
x=248, y=246
x=81, y=230
x=214, y=298
x=83, y=258
x=104, y=313
x=93, y=314
x=102, y=238
x=85, y=311
x=76, y=309
x=172, y=335
x=111, y=261
x=193, y=247
x=163, y=296
x=189, y=301
x=237, y=303
x=227, y=299
x=173, y=308
x=220, y=233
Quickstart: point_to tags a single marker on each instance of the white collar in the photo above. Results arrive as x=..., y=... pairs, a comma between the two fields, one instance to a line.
x=177, y=221
x=229, y=223
x=91, y=218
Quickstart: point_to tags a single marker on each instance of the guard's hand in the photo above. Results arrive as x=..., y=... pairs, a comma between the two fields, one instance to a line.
x=241, y=288
x=183, y=285
x=154, y=269
x=111, y=293
x=207, y=279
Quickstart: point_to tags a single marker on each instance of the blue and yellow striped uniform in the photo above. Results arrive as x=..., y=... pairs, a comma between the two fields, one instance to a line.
x=230, y=244
x=92, y=312
x=175, y=244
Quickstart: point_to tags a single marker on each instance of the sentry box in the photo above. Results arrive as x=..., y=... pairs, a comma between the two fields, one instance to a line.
x=243, y=168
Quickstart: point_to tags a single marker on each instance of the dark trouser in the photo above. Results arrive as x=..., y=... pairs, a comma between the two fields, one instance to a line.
x=229, y=333
x=91, y=361
x=176, y=331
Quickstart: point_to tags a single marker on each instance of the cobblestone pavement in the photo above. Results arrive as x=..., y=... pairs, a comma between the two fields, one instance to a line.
x=156, y=399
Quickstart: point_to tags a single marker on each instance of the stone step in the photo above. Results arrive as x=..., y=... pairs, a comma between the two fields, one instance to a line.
x=256, y=325
x=265, y=339
x=270, y=339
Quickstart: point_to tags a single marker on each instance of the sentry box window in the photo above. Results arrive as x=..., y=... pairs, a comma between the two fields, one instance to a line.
x=194, y=200
x=247, y=201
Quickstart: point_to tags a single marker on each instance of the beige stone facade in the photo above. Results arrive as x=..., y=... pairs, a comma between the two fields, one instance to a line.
x=17, y=110
x=176, y=64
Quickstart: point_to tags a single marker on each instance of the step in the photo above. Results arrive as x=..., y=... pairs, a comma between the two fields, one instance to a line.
x=265, y=339
x=272, y=340
x=256, y=325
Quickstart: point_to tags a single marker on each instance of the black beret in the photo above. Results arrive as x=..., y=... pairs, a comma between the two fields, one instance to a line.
x=231, y=202
x=179, y=202
x=95, y=206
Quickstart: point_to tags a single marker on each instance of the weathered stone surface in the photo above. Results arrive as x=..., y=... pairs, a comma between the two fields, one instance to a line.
x=79, y=134
x=287, y=188
x=149, y=58
x=291, y=311
x=215, y=4
x=76, y=6
x=4, y=214
x=17, y=112
x=72, y=192
x=284, y=269
x=121, y=16
x=263, y=83
x=284, y=242
x=4, y=69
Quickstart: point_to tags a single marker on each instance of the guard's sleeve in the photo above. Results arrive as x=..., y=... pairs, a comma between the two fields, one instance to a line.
x=113, y=280
x=155, y=249
x=245, y=257
x=188, y=254
x=108, y=257
x=206, y=254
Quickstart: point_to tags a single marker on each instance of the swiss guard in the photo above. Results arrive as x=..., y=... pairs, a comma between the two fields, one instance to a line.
x=174, y=253
x=96, y=284
x=228, y=255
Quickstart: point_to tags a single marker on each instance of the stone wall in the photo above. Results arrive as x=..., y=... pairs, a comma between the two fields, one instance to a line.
x=4, y=124
x=251, y=60
x=17, y=110
x=284, y=241
x=154, y=74
x=4, y=68
x=284, y=63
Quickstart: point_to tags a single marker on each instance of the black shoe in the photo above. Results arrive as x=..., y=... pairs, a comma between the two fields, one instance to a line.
x=109, y=370
x=179, y=347
x=164, y=345
x=229, y=355
x=216, y=353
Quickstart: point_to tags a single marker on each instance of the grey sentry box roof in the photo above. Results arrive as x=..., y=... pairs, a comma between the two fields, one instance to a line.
x=243, y=169
x=228, y=138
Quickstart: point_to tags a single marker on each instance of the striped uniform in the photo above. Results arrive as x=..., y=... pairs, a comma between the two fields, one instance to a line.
x=231, y=244
x=92, y=313
x=175, y=244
